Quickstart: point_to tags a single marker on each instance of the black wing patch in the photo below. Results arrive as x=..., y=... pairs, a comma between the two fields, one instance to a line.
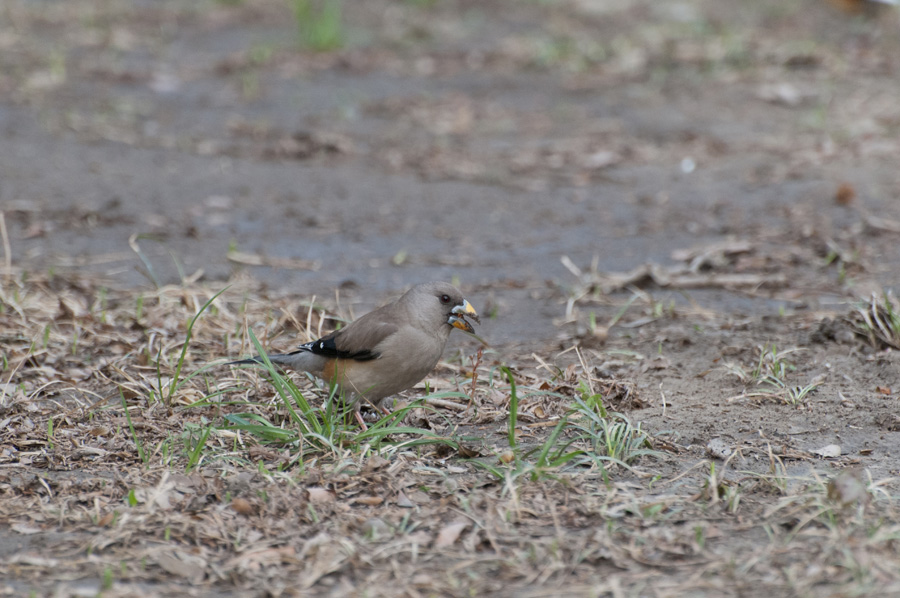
x=327, y=347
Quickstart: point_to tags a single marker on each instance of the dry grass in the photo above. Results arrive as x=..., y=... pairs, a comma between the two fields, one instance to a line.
x=132, y=463
x=120, y=472
x=878, y=321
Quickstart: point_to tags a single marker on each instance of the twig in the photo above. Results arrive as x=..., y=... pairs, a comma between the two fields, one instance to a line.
x=7, y=249
x=445, y=404
x=475, y=365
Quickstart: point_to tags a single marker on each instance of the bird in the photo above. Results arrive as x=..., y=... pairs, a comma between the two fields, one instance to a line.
x=387, y=350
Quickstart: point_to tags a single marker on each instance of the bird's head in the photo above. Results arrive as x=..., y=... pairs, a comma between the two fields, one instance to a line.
x=444, y=302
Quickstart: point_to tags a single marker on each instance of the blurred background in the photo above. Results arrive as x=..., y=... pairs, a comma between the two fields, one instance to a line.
x=541, y=153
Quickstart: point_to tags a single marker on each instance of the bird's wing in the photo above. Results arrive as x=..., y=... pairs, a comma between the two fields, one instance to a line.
x=359, y=340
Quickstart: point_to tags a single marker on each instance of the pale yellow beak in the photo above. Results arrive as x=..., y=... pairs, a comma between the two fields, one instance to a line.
x=458, y=319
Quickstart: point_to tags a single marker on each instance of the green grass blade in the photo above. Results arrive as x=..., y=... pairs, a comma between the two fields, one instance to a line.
x=513, y=407
x=261, y=429
x=173, y=386
x=551, y=442
x=195, y=452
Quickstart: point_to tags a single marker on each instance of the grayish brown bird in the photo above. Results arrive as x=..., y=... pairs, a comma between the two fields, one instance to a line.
x=387, y=350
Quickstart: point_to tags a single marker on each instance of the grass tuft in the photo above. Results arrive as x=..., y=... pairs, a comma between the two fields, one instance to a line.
x=879, y=321
x=513, y=408
x=319, y=23
x=330, y=429
x=610, y=436
x=177, y=380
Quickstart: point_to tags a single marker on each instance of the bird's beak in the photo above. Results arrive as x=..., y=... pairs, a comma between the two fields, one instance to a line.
x=458, y=319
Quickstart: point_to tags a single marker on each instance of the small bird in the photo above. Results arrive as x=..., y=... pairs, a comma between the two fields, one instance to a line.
x=387, y=350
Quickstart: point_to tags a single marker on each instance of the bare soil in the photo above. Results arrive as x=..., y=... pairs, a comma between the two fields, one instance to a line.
x=690, y=209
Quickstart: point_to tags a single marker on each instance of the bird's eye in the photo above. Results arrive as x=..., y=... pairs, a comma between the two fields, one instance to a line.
x=445, y=298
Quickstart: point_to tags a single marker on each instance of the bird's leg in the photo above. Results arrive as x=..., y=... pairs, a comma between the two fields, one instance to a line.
x=378, y=406
x=382, y=406
x=356, y=404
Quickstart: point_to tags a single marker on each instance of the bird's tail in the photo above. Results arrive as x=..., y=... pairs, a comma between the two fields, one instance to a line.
x=301, y=360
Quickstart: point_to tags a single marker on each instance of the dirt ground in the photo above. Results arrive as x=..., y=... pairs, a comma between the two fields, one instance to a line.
x=681, y=219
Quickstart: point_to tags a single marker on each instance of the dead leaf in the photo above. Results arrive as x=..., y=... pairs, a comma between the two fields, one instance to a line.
x=182, y=564
x=375, y=528
x=254, y=560
x=403, y=501
x=322, y=555
x=845, y=194
x=450, y=533
x=253, y=259
x=243, y=506
x=320, y=496
x=467, y=452
x=370, y=501
x=375, y=463
x=34, y=560
x=828, y=452
x=161, y=495
x=419, y=498
x=25, y=529
x=106, y=519
x=783, y=93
